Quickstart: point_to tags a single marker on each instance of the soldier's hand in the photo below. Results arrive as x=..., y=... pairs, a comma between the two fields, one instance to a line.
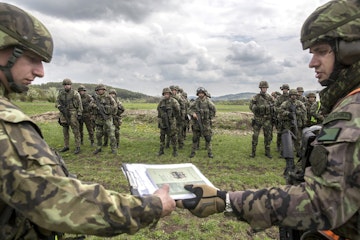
x=208, y=200
x=168, y=204
x=195, y=116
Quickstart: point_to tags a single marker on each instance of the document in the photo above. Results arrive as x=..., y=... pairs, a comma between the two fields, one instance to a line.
x=147, y=178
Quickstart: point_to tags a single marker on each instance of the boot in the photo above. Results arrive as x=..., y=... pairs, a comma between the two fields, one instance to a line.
x=77, y=150
x=161, y=151
x=210, y=155
x=253, y=152
x=114, y=152
x=64, y=149
x=192, y=154
x=92, y=143
x=267, y=153
x=105, y=144
x=97, y=151
x=174, y=152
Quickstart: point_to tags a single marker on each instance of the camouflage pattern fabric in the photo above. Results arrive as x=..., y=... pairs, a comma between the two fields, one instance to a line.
x=70, y=100
x=117, y=120
x=170, y=109
x=180, y=122
x=87, y=117
x=45, y=200
x=329, y=197
x=207, y=110
x=262, y=105
x=278, y=124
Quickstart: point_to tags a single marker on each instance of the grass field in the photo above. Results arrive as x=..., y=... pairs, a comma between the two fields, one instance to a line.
x=230, y=169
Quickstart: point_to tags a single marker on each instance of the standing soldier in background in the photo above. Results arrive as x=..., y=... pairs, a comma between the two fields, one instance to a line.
x=292, y=114
x=69, y=104
x=202, y=111
x=186, y=118
x=87, y=116
x=168, y=112
x=301, y=96
x=262, y=106
x=314, y=114
x=180, y=122
x=282, y=98
x=117, y=120
x=104, y=107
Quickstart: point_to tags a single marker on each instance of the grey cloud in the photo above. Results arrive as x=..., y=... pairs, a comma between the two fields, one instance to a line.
x=248, y=53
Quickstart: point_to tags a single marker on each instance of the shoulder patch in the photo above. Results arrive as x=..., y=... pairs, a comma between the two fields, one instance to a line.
x=337, y=116
x=329, y=134
x=318, y=160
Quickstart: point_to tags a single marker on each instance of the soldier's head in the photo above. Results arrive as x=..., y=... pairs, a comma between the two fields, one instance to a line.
x=67, y=84
x=166, y=92
x=332, y=35
x=285, y=88
x=263, y=85
x=24, y=44
x=112, y=92
x=300, y=90
x=293, y=93
x=311, y=97
x=201, y=92
x=174, y=89
x=100, y=89
x=81, y=89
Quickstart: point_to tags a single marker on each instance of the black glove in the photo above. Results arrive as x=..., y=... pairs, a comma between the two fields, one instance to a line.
x=208, y=200
x=79, y=118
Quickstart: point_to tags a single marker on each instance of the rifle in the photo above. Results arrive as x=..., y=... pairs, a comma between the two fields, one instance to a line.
x=294, y=120
x=63, y=108
x=199, y=122
x=101, y=108
x=165, y=118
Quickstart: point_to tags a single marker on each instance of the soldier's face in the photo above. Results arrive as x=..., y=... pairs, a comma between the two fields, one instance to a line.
x=263, y=89
x=323, y=60
x=167, y=95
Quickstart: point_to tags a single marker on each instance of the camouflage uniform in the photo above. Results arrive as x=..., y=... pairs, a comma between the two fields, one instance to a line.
x=180, y=122
x=117, y=118
x=300, y=96
x=262, y=106
x=37, y=201
x=70, y=102
x=279, y=100
x=168, y=112
x=87, y=115
x=104, y=107
x=204, y=108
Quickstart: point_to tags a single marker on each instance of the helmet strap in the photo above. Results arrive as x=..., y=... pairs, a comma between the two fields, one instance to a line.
x=17, y=88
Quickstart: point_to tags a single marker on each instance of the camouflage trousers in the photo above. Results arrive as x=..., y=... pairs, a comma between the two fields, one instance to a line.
x=74, y=124
x=107, y=128
x=267, y=127
x=88, y=121
x=196, y=139
x=171, y=136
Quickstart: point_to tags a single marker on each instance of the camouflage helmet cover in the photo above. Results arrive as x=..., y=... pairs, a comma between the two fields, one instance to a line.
x=19, y=28
x=285, y=86
x=337, y=19
x=300, y=89
x=81, y=88
x=66, y=81
x=166, y=90
x=100, y=87
x=263, y=84
x=293, y=92
x=311, y=94
x=201, y=89
x=112, y=91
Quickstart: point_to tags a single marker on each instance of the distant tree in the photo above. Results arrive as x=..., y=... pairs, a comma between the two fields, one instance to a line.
x=52, y=94
x=32, y=94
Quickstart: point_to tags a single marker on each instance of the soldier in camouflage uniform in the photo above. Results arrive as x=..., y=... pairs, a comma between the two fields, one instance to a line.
x=117, y=118
x=301, y=96
x=313, y=110
x=87, y=116
x=37, y=200
x=280, y=99
x=180, y=122
x=168, y=112
x=329, y=197
x=69, y=104
x=262, y=106
x=202, y=112
x=104, y=107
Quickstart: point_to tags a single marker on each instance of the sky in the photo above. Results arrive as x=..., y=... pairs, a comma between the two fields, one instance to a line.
x=225, y=46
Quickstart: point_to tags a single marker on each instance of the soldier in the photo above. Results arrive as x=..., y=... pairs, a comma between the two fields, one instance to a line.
x=104, y=107
x=180, y=122
x=202, y=112
x=282, y=98
x=314, y=114
x=292, y=114
x=262, y=106
x=69, y=104
x=168, y=112
x=37, y=200
x=330, y=194
x=87, y=116
x=117, y=119
x=301, y=96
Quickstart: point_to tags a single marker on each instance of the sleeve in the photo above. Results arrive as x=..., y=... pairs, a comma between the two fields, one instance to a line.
x=79, y=104
x=35, y=185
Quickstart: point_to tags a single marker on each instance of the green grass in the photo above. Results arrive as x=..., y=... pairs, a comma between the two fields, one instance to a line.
x=230, y=169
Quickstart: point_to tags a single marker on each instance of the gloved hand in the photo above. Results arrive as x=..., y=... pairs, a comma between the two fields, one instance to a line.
x=208, y=200
x=79, y=117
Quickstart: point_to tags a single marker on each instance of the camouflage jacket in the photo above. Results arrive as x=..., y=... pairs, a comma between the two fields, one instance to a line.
x=168, y=112
x=329, y=198
x=262, y=105
x=70, y=100
x=285, y=116
x=86, y=101
x=36, y=197
x=103, y=106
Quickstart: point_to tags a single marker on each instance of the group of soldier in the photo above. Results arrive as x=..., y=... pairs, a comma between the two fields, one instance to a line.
x=100, y=113
x=289, y=112
x=176, y=114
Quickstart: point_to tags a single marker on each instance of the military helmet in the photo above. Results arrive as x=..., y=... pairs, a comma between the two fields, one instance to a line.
x=285, y=86
x=300, y=89
x=166, y=90
x=112, y=91
x=172, y=87
x=311, y=94
x=66, y=81
x=293, y=92
x=19, y=28
x=263, y=84
x=100, y=87
x=81, y=88
x=201, y=89
x=336, y=20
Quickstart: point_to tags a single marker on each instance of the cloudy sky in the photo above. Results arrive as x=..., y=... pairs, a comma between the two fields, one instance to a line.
x=226, y=46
